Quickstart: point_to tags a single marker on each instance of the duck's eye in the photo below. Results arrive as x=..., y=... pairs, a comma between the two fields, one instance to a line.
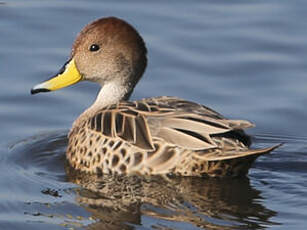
x=94, y=47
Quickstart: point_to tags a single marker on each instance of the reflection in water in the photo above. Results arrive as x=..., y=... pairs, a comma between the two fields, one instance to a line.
x=125, y=202
x=205, y=203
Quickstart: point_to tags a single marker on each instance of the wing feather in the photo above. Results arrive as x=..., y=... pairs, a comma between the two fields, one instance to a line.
x=129, y=130
x=199, y=126
x=143, y=135
x=183, y=139
x=176, y=121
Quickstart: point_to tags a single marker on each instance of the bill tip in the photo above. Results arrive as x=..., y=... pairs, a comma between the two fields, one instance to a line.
x=39, y=90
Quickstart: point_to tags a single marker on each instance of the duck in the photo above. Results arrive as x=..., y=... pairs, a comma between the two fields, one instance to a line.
x=163, y=135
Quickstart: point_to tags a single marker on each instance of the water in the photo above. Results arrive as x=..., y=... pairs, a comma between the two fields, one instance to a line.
x=245, y=59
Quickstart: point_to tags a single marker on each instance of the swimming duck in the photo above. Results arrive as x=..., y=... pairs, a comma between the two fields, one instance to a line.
x=159, y=135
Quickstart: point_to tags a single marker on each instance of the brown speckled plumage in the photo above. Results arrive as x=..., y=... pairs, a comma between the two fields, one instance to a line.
x=162, y=135
x=159, y=136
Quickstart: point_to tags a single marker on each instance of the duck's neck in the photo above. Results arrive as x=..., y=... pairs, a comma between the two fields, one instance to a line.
x=110, y=93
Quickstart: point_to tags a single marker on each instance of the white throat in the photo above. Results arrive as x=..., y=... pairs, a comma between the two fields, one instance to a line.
x=110, y=93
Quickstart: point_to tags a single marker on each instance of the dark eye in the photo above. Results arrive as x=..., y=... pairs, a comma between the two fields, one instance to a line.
x=94, y=47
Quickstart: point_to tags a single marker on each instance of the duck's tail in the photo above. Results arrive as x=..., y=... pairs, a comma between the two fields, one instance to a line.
x=235, y=164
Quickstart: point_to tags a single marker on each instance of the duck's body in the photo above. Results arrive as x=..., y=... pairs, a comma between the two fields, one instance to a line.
x=152, y=136
x=159, y=136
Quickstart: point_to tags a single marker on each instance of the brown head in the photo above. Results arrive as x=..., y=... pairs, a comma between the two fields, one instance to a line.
x=108, y=47
x=108, y=50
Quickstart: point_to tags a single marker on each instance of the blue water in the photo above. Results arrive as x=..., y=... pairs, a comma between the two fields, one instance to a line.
x=245, y=59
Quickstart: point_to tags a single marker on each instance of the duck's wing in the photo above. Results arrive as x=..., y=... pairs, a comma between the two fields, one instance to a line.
x=170, y=119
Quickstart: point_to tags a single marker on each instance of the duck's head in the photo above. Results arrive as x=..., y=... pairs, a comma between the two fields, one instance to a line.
x=108, y=51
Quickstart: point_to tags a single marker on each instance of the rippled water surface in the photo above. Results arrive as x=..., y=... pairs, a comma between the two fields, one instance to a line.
x=245, y=59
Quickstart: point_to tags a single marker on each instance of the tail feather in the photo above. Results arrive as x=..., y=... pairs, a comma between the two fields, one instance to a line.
x=242, y=154
x=234, y=164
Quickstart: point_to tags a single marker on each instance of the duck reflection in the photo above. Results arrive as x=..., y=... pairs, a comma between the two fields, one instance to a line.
x=124, y=202
x=120, y=202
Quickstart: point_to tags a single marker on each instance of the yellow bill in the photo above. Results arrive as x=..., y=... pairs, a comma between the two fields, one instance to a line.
x=68, y=75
